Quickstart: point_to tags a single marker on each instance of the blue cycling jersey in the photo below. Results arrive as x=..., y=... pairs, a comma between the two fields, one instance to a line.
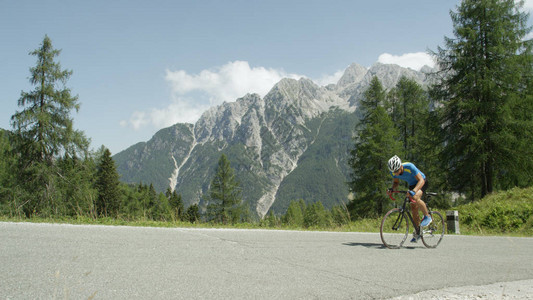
x=409, y=173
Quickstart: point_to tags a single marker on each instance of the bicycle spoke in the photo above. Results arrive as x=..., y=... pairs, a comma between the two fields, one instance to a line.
x=394, y=229
x=433, y=234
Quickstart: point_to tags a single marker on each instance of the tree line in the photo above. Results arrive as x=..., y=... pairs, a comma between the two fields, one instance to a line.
x=470, y=132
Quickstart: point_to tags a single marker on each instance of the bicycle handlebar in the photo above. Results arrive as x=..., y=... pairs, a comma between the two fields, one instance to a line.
x=428, y=194
x=404, y=192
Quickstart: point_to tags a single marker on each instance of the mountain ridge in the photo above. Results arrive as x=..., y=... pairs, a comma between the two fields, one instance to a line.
x=275, y=143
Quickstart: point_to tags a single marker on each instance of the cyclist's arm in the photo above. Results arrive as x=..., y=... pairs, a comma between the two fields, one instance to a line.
x=420, y=183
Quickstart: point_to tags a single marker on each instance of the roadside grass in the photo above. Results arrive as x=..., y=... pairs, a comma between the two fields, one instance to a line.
x=501, y=213
x=507, y=213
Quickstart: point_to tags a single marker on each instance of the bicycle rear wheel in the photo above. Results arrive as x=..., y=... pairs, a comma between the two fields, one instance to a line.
x=433, y=234
x=394, y=228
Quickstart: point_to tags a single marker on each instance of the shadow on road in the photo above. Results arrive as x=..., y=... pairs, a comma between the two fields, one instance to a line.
x=367, y=245
x=374, y=245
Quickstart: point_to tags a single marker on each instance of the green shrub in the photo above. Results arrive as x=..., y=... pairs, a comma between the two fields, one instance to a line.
x=502, y=212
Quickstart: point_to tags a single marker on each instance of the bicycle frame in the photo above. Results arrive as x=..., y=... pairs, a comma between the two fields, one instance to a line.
x=403, y=211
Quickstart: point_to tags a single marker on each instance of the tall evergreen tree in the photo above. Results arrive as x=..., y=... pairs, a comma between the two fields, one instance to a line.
x=45, y=121
x=107, y=184
x=409, y=108
x=376, y=141
x=193, y=213
x=150, y=200
x=225, y=202
x=316, y=216
x=176, y=203
x=44, y=132
x=7, y=174
x=77, y=186
x=294, y=215
x=485, y=86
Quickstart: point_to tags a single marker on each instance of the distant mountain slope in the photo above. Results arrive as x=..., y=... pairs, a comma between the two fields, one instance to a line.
x=292, y=144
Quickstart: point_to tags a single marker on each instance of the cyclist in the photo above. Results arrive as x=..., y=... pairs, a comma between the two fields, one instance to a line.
x=417, y=187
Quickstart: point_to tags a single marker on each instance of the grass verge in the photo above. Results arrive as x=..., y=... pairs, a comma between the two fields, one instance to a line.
x=507, y=213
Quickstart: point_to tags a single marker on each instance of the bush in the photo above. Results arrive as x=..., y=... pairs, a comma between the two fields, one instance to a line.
x=502, y=212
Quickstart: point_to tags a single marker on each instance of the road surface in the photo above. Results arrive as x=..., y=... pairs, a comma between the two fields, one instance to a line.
x=51, y=261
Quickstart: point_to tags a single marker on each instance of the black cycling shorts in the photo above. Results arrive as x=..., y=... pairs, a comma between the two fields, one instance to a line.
x=424, y=188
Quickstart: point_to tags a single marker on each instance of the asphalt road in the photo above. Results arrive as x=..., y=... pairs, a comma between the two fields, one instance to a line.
x=47, y=261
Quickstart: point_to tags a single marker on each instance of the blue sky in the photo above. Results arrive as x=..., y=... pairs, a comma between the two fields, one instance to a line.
x=139, y=66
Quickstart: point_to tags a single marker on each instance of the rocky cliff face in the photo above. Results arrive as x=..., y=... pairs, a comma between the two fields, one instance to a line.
x=292, y=144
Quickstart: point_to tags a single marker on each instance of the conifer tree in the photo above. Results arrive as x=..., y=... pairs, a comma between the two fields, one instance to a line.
x=150, y=201
x=175, y=203
x=409, y=108
x=376, y=141
x=7, y=174
x=294, y=215
x=107, y=184
x=44, y=131
x=225, y=203
x=316, y=216
x=408, y=104
x=193, y=213
x=45, y=121
x=485, y=86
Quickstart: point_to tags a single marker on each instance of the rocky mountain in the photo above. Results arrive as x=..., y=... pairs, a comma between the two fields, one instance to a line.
x=291, y=144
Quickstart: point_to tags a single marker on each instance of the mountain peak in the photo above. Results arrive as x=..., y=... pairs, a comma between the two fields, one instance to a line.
x=352, y=75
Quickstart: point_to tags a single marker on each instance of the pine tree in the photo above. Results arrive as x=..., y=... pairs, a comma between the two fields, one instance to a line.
x=107, y=184
x=45, y=121
x=376, y=141
x=225, y=203
x=408, y=105
x=193, y=213
x=162, y=210
x=44, y=132
x=131, y=206
x=175, y=203
x=316, y=216
x=7, y=175
x=77, y=186
x=485, y=86
x=294, y=215
x=150, y=201
x=409, y=109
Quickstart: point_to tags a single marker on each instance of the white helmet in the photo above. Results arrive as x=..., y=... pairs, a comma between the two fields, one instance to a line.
x=395, y=163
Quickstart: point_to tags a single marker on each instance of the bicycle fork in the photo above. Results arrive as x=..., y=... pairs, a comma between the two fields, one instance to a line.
x=398, y=222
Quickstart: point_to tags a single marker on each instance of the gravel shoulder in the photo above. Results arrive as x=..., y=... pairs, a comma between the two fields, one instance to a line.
x=522, y=289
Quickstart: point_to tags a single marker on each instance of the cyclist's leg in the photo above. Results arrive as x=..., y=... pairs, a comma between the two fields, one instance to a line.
x=414, y=209
x=421, y=202
x=416, y=217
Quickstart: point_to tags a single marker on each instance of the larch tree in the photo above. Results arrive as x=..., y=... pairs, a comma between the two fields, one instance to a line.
x=485, y=88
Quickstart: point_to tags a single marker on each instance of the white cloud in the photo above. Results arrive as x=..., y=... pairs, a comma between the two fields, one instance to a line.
x=414, y=61
x=137, y=120
x=180, y=110
x=192, y=94
x=228, y=82
x=329, y=79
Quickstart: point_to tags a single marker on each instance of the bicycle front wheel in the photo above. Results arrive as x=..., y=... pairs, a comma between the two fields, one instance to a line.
x=433, y=234
x=394, y=228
